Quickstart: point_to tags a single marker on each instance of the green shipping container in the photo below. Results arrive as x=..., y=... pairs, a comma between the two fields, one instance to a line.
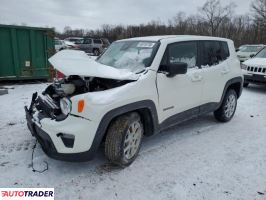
x=24, y=52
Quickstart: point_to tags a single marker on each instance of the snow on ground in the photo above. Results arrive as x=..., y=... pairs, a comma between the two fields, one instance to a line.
x=199, y=159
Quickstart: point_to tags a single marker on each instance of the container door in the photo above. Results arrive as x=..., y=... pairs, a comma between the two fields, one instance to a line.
x=7, y=66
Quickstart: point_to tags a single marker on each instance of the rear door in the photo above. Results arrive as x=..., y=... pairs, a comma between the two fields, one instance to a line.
x=215, y=69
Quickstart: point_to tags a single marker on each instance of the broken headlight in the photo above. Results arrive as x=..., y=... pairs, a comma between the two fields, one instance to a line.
x=65, y=105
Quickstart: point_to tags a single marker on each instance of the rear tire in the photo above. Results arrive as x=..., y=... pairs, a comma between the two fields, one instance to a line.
x=96, y=52
x=228, y=107
x=123, y=139
x=245, y=85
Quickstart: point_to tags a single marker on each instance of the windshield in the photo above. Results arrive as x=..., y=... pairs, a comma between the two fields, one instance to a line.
x=261, y=54
x=131, y=55
x=250, y=48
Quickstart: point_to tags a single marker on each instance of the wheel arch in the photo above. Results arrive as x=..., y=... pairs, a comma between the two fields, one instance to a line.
x=147, y=111
x=237, y=87
x=235, y=84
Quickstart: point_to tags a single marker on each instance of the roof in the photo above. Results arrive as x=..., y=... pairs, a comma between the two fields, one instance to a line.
x=25, y=27
x=170, y=37
x=253, y=45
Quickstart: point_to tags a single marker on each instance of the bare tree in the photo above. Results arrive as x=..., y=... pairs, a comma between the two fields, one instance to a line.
x=212, y=19
x=259, y=9
x=215, y=14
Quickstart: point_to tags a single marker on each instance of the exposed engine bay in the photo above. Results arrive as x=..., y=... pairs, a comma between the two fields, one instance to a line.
x=74, y=85
x=55, y=99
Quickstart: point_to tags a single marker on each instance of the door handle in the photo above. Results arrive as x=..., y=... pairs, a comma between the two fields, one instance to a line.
x=196, y=78
x=225, y=71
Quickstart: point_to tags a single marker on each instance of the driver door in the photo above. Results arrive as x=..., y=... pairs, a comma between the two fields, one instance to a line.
x=182, y=92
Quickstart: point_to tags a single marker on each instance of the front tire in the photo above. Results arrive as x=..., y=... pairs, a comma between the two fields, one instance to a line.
x=96, y=52
x=228, y=107
x=123, y=139
x=245, y=85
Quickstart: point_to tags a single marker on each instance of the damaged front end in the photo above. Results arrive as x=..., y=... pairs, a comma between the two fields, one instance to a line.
x=52, y=121
x=84, y=75
x=62, y=117
x=55, y=100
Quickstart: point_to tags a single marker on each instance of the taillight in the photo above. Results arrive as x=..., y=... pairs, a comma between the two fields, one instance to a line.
x=59, y=74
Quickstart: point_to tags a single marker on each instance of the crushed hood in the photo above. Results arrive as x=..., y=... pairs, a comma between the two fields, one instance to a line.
x=256, y=62
x=74, y=62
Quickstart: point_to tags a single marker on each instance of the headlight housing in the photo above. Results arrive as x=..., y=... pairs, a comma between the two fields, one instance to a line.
x=243, y=66
x=65, y=105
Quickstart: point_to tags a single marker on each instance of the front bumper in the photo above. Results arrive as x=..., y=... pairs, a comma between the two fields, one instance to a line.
x=48, y=135
x=255, y=78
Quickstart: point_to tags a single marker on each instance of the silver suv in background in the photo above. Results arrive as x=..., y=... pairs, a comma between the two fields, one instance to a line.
x=93, y=45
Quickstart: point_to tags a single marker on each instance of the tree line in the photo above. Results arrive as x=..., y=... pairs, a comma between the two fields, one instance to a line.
x=212, y=19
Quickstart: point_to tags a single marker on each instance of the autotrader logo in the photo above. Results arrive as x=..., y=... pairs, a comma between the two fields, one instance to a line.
x=27, y=193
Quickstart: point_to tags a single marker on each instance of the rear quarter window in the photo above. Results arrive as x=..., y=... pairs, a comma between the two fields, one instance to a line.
x=97, y=41
x=225, y=50
x=214, y=52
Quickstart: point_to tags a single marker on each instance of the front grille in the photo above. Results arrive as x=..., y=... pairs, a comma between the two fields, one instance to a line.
x=257, y=69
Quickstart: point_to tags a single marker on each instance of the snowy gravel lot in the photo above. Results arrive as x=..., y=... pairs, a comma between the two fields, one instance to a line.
x=199, y=159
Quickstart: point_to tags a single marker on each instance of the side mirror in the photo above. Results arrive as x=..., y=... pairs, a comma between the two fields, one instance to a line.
x=174, y=69
x=237, y=50
x=252, y=55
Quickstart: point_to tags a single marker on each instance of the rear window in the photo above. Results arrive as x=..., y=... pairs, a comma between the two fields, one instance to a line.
x=97, y=41
x=251, y=49
x=214, y=52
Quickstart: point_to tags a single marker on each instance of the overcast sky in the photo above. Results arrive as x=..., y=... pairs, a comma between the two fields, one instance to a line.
x=91, y=14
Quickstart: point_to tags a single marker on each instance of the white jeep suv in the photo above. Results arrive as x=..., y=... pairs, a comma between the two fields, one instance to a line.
x=255, y=69
x=137, y=87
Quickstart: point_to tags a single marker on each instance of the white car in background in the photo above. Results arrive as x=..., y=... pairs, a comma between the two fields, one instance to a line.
x=60, y=45
x=71, y=45
x=75, y=40
x=247, y=51
x=241, y=47
x=255, y=69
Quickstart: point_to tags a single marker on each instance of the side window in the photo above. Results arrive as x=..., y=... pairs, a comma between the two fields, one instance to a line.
x=87, y=41
x=183, y=52
x=214, y=52
x=211, y=53
x=225, y=50
x=97, y=41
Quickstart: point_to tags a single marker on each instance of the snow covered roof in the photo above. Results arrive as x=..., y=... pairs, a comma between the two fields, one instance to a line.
x=175, y=37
